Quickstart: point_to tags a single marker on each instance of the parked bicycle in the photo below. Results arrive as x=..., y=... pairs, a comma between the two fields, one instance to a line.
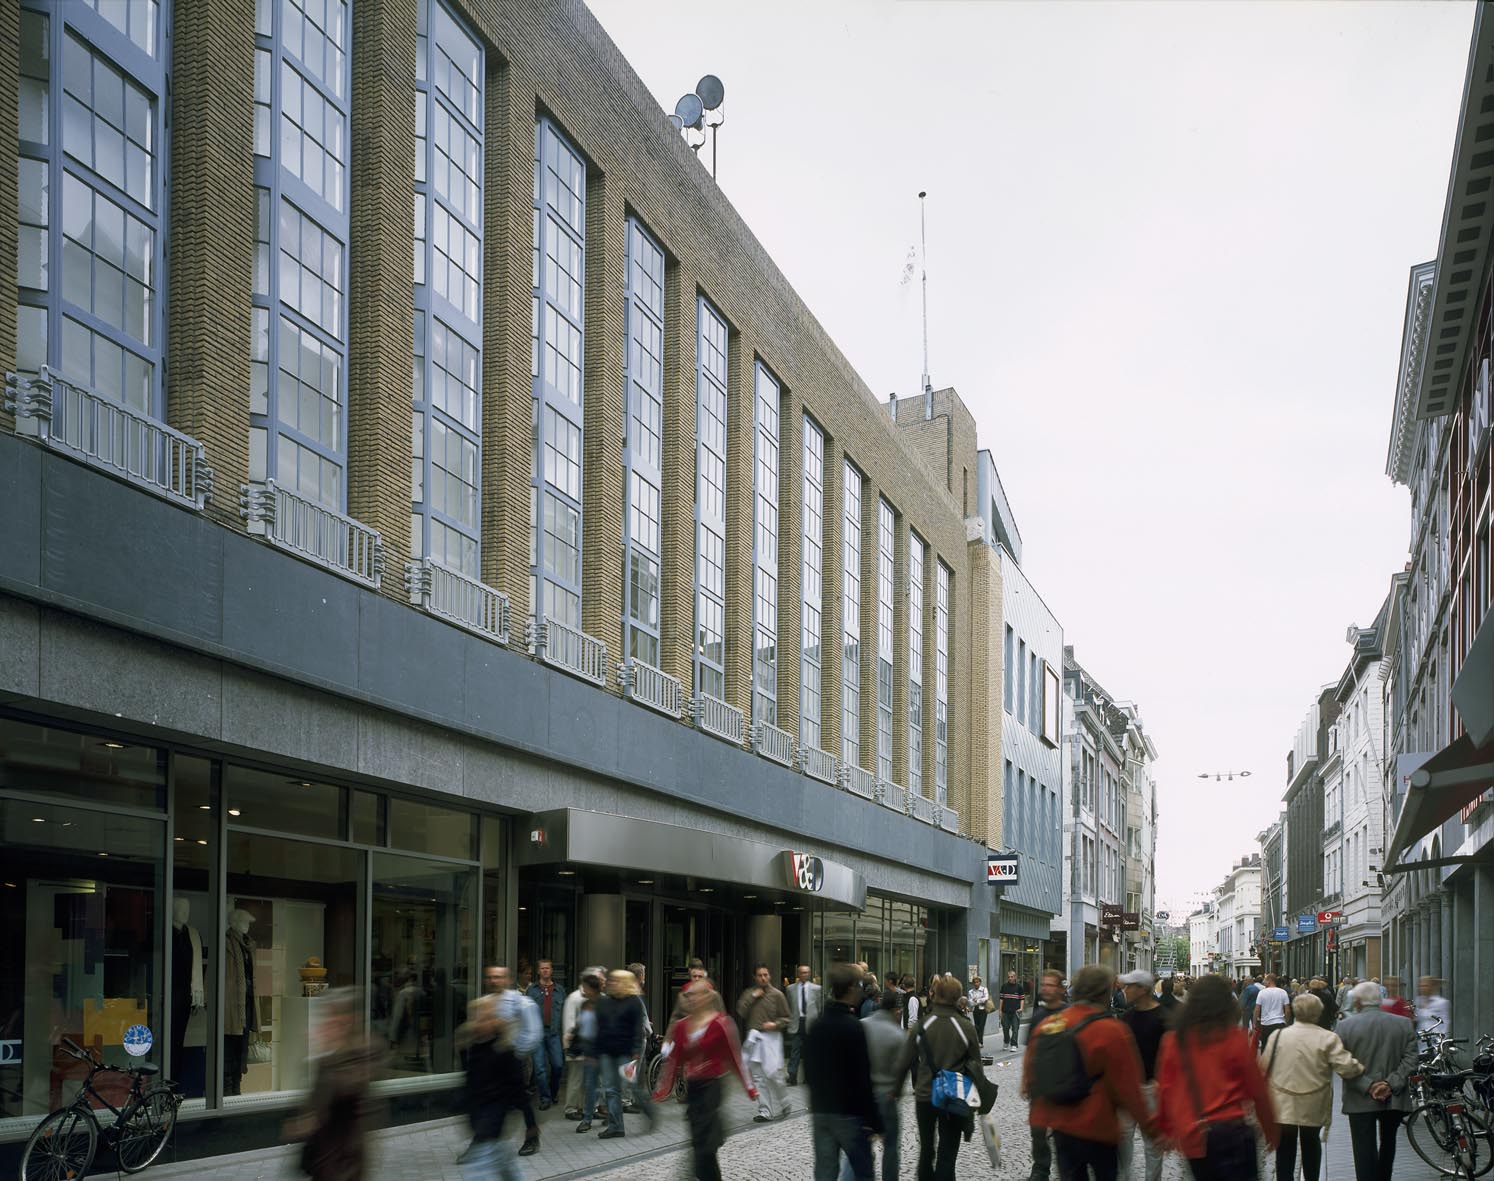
x=62, y=1146
x=1441, y=1129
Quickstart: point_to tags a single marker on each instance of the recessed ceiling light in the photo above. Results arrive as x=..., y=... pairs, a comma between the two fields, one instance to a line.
x=523, y=908
x=202, y=842
x=645, y=881
x=708, y=889
x=113, y=745
x=304, y=783
x=204, y=807
x=10, y=885
x=103, y=854
x=181, y=838
x=233, y=812
x=38, y=820
x=566, y=873
x=749, y=895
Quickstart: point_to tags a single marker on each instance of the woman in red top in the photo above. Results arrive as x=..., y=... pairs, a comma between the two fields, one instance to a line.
x=703, y=1043
x=1208, y=1078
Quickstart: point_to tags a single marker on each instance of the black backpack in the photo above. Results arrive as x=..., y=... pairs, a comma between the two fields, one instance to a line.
x=1058, y=1073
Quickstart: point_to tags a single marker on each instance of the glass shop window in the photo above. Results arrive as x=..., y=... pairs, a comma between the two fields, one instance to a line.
x=194, y=924
x=429, y=828
x=424, y=943
x=292, y=933
x=284, y=803
x=96, y=770
x=80, y=902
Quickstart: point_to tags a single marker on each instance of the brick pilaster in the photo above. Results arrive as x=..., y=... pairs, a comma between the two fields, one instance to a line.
x=602, y=479
x=381, y=293
x=211, y=256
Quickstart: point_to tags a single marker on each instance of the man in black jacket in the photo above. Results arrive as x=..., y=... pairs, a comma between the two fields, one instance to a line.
x=837, y=1068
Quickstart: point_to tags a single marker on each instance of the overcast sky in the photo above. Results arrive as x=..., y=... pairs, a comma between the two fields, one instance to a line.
x=1168, y=250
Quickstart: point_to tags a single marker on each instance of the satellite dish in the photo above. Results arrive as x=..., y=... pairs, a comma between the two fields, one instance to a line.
x=676, y=122
x=689, y=110
x=710, y=91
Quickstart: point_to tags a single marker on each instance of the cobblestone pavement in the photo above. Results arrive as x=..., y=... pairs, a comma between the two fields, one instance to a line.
x=753, y=1152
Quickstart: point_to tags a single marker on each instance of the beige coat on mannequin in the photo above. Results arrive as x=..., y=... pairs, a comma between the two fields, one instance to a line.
x=1299, y=1064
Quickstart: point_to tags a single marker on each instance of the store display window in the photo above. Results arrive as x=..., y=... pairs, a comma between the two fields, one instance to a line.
x=212, y=904
x=424, y=943
x=80, y=913
x=292, y=909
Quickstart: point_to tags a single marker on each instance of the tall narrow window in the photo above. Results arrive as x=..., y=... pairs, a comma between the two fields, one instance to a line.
x=710, y=502
x=556, y=334
x=1009, y=652
x=1022, y=681
x=298, y=359
x=447, y=417
x=886, y=521
x=916, y=559
x=642, y=430
x=850, y=667
x=941, y=684
x=92, y=198
x=813, y=585
x=765, y=551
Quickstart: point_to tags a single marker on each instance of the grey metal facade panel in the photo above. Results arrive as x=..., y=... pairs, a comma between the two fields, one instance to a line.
x=310, y=630
x=1024, y=923
x=81, y=544
x=20, y=523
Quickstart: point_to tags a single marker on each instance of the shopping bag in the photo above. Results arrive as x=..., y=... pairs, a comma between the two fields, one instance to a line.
x=630, y=1070
x=992, y=1138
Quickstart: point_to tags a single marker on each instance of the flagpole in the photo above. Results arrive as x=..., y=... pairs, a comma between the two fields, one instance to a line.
x=923, y=235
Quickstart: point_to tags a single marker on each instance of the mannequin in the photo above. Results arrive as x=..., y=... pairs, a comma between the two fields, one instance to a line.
x=186, y=979
x=240, y=1017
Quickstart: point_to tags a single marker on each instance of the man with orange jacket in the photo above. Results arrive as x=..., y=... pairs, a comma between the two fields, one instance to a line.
x=1086, y=1133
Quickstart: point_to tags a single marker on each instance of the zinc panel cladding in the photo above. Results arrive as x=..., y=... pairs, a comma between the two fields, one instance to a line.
x=549, y=59
x=10, y=78
x=1027, y=824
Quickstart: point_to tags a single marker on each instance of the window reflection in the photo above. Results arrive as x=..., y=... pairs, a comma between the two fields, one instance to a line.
x=423, y=948
x=291, y=905
x=80, y=898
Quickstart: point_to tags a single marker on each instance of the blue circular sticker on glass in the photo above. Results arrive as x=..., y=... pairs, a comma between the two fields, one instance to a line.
x=138, y=1041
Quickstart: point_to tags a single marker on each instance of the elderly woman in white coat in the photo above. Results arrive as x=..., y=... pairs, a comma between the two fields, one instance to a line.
x=1299, y=1065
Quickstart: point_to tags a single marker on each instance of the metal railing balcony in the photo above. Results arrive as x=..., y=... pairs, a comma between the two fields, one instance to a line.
x=648, y=686
x=819, y=764
x=890, y=795
x=715, y=717
x=110, y=436
x=1332, y=830
x=314, y=532
x=949, y=819
x=859, y=781
x=567, y=648
x=457, y=598
x=920, y=807
x=773, y=743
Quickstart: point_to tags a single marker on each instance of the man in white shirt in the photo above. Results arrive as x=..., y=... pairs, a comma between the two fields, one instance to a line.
x=806, y=1002
x=1432, y=1007
x=1271, y=1005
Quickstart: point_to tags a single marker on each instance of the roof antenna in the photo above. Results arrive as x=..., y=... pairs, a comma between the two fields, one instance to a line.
x=923, y=235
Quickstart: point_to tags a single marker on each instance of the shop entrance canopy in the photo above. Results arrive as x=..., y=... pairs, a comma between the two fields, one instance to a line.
x=1461, y=771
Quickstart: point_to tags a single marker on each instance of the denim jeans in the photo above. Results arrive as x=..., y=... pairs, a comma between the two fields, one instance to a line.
x=892, y=1142
x=1153, y=1152
x=549, y=1063
x=492, y=1157
x=837, y=1134
x=613, y=1084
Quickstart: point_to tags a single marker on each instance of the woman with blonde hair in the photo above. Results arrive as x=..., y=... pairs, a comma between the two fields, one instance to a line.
x=1299, y=1065
x=621, y=1023
x=703, y=1046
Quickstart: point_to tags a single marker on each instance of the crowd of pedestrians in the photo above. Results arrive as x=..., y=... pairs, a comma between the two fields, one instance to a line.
x=1210, y=1069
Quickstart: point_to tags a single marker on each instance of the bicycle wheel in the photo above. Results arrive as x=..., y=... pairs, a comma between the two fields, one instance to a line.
x=1433, y=1138
x=655, y=1070
x=61, y=1147
x=142, y=1136
x=1476, y=1149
